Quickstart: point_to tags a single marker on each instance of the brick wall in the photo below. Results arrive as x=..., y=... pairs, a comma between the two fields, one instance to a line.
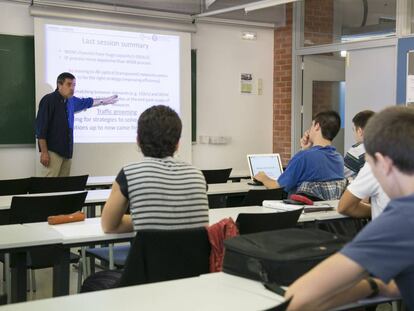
x=318, y=25
x=321, y=96
x=282, y=88
x=318, y=30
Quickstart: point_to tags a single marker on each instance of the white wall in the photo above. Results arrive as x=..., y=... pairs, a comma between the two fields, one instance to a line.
x=16, y=162
x=221, y=109
x=370, y=83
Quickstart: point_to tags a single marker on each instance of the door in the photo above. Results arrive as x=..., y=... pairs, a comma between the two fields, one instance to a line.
x=323, y=88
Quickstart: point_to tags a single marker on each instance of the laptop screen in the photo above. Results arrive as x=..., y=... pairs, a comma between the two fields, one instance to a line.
x=268, y=163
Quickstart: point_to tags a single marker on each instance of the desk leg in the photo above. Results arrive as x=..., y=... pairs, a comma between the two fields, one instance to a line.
x=18, y=277
x=61, y=272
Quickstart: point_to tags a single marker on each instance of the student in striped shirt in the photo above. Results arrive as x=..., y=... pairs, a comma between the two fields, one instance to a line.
x=354, y=159
x=162, y=193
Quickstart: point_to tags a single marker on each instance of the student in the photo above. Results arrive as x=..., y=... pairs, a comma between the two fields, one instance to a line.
x=365, y=185
x=355, y=157
x=163, y=193
x=385, y=247
x=318, y=160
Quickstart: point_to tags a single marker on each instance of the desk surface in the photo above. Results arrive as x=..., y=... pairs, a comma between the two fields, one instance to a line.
x=216, y=291
x=217, y=214
x=106, y=181
x=100, y=196
x=19, y=236
x=81, y=232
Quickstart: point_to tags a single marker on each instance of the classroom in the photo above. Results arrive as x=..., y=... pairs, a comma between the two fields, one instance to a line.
x=214, y=107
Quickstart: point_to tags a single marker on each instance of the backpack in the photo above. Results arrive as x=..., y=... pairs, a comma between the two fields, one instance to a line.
x=279, y=256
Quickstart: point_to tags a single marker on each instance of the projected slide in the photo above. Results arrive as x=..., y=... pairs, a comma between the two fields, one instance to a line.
x=141, y=68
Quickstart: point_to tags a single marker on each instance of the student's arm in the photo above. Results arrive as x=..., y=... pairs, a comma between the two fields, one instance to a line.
x=360, y=291
x=352, y=206
x=113, y=218
x=327, y=285
x=267, y=182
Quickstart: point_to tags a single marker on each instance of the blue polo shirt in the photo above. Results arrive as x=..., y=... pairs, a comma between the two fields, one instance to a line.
x=314, y=164
x=385, y=247
x=55, y=119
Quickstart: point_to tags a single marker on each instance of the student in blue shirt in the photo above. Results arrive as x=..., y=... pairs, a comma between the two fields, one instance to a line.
x=54, y=124
x=318, y=160
x=380, y=258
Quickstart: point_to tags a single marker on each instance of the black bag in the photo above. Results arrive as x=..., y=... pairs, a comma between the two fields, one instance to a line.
x=279, y=256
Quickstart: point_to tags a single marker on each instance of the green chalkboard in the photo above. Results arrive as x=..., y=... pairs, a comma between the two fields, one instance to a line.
x=17, y=90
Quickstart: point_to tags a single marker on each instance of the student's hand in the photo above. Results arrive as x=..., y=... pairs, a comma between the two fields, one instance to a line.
x=388, y=290
x=45, y=158
x=305, y=142
x=261, y=176
x=266, y=180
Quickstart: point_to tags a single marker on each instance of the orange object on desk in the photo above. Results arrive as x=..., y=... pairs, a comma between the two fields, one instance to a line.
x=63, y=219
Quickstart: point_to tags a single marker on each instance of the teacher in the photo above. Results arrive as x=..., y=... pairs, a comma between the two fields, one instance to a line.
x=54, y=124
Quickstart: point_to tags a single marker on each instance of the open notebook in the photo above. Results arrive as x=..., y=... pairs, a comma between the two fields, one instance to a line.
x=316, y=207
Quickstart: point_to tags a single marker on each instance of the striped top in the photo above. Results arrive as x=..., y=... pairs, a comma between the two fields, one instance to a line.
x=354, y=160
x=164, y=194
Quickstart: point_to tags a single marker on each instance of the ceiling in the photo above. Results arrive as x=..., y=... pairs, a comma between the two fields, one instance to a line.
x=274, y=15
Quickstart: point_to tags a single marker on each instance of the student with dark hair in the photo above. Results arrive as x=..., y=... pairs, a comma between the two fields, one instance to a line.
x=354, y=159
x=317, y=162
x=364, y=185
x=162, y=193
x=54, y=124
x=380, y=258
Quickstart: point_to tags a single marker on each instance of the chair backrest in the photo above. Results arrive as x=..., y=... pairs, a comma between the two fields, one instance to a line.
x=323, y=190
x=14, y=186
x=251, y=223
x=162, y=255
x=256, y=197
x=216, y=176
x=57, y=184
x=27, y=209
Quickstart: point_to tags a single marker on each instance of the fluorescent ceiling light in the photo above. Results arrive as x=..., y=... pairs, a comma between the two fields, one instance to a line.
x=264, y=4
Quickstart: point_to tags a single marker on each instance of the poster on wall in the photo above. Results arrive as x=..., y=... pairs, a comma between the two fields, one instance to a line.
x=246, y=83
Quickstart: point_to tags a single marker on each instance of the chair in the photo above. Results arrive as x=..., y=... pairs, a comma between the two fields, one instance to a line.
x=251, y=223
x=158, y=255
x=216, y=176
x=11, y=187
x=28, y=209
x=256, y=197
x=14, y=186
x=114, y=255
x=57, y=184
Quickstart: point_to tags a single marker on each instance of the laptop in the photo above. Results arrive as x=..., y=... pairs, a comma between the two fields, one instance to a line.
x=268, y=163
